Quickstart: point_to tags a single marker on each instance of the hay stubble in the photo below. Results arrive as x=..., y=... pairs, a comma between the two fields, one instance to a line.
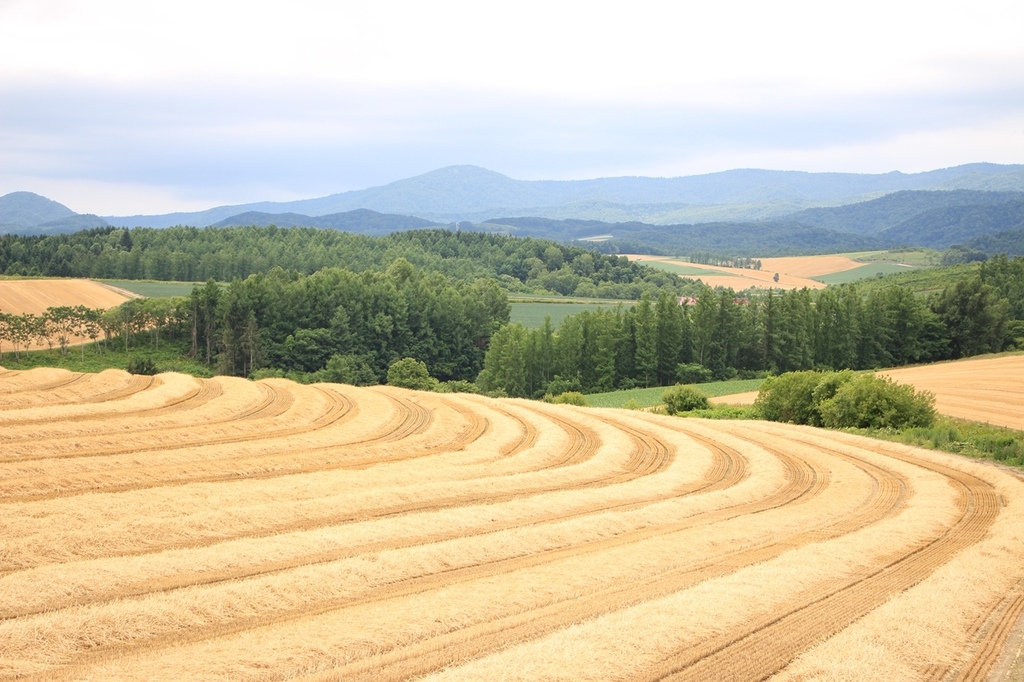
x=179, y=528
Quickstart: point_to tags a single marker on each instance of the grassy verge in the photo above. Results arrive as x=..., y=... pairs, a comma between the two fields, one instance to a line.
x=649, y=397
x=973, y=439
x=170, y=357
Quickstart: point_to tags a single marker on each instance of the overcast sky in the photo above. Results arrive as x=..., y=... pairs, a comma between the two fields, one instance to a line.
x=117, y=108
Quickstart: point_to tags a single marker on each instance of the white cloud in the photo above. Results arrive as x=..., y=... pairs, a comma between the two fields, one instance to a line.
x=229, y=102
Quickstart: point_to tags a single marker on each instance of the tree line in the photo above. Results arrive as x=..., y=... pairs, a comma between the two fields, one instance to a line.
x=719, y=335
x=345, y=326
x=60, y=325
x=333, y=325
x=191, y=254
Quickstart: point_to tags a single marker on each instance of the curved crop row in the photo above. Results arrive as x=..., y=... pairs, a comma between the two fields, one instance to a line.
x=177, y=528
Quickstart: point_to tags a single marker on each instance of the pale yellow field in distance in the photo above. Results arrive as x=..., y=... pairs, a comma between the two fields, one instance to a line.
x=176, y=528
x=794, y=272
x=36, y=295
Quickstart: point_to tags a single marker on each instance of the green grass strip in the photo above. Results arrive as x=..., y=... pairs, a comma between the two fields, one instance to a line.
x=649, y=397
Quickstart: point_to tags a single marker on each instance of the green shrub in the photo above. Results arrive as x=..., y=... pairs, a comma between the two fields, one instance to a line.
x=457, y=386
x=692, y=373
x=843, y=400
x=558, y=386
x=349, y=369
x=868, y=401
x=789, y=398
x=411, y=373
x=567, y=398
x=141, y=366
x=684, y=399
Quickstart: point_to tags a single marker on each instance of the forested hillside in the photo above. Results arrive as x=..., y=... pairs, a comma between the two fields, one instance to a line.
x=889, y=211
x=725, y=240
x=941, y=228
x=191, y=254
x=1009, y=242
x=360, y=220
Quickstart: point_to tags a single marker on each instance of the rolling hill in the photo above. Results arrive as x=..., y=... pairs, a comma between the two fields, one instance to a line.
x=29, y=213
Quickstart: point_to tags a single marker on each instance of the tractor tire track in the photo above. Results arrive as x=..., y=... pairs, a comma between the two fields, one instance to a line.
x=767, y=646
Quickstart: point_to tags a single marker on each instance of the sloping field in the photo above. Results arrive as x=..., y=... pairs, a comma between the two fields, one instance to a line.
x=178, y=528
x=36, y=295
x=734, y=278
x=987, y=390
x=810, y=266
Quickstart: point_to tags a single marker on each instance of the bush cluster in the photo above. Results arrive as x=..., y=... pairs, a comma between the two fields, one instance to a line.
x=684, y=399
x=142, y=366
x=843, y=400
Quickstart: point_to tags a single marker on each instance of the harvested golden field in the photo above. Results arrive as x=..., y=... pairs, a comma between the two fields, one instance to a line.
x=795, y=272
x=178, y=528
x=989, y=389
x=36, y=295
x=736, y=278
x=810, y=266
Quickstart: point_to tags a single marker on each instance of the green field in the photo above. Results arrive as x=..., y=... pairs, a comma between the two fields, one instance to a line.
x=532, y=313
x=922, y=280
x=875, y=269
x=151, y=289
x=919, y=257
x=649, y=397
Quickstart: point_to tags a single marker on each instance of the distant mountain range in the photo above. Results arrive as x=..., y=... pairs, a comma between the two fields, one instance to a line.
x=475, y=194
x=784, y=211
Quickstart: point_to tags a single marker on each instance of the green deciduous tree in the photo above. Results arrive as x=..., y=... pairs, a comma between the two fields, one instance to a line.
x=411, y=373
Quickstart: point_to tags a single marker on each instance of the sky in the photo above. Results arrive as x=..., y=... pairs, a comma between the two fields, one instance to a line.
x=125, y=107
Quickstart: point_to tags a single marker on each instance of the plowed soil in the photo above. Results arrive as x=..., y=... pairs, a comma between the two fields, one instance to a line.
x=176, y=528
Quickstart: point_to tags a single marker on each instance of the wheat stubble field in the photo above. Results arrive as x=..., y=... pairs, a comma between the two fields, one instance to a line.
x=36, y=295
x=171, y=527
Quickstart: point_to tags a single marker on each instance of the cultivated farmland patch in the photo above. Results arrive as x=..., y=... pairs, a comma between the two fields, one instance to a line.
x=34, y=296
x=989, y=389
x=985, y=389
x=177, y=528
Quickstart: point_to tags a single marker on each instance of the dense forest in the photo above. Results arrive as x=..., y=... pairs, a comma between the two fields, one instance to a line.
x=189, y=254
x=719, y=335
